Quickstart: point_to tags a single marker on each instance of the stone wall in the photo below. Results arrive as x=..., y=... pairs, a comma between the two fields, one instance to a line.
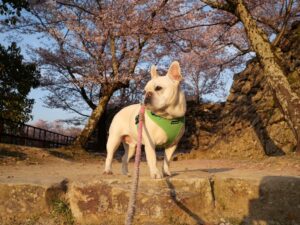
x=250, y=122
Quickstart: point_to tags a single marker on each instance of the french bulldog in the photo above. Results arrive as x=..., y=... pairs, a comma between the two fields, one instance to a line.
x=164, y=98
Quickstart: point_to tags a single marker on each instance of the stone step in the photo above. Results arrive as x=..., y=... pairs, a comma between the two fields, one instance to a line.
x=199, y=192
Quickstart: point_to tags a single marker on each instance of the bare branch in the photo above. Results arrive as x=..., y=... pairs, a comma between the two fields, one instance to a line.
x=284, y=25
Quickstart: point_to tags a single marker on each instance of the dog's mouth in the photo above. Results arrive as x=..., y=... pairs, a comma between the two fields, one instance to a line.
x=150, y=104
x=148, y=98
x=147, y=101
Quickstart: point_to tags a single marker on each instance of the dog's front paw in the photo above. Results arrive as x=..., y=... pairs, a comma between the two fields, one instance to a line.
x=107, y=172
x=166, y=171
x=156, y=174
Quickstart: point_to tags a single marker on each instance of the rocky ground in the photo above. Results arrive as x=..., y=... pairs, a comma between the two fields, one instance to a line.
x=62, y=187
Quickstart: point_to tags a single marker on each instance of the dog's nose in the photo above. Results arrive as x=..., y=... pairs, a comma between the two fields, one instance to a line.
x=148, y=96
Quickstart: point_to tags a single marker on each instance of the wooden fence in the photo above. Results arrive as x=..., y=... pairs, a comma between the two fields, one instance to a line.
x=23, y=134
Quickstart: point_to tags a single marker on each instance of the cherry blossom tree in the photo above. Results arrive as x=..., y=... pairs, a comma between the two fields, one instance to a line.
x=98, y=48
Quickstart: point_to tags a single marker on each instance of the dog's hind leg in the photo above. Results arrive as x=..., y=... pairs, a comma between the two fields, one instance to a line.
x=129, y=152
x=111, y=146
x=124, y=159
x=168, y=156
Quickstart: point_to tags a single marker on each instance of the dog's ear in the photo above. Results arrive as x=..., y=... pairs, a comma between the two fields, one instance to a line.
x=174, y=71
x=153, y=72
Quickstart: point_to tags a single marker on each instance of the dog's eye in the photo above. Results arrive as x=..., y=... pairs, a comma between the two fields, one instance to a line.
x=158, y=88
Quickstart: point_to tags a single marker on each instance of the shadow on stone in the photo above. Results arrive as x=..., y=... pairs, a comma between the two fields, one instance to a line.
x=179, y=203
x=278, y=202
x=217, y=170
x=212, y=170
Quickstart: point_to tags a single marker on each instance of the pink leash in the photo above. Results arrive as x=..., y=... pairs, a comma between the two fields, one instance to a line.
x=135, y=181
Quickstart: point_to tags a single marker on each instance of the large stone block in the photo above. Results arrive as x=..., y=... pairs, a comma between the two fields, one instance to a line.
x=161, y=200
x=21, y=202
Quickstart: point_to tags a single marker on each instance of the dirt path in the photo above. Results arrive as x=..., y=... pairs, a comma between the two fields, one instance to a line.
x=24, y=164
x=59, y=169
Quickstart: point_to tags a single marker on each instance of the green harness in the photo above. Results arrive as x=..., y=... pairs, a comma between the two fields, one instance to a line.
x=172, y=127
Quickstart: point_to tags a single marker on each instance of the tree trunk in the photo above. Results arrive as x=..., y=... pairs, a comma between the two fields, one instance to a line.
x=102, y=134
x=288, y=100
x=82, y=139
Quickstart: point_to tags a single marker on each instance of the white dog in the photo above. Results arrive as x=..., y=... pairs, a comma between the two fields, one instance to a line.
x=164, y=122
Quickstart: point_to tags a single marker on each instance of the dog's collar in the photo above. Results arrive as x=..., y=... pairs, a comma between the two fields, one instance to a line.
x=172, y=127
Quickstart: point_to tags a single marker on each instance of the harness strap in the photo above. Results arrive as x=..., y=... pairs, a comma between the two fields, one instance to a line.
x=172, y=127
